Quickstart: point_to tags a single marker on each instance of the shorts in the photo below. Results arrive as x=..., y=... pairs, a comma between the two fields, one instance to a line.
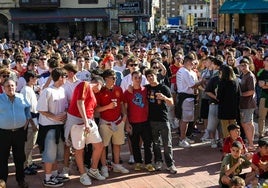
x=246, y=115
x=187, y=110
x=107, y=134
x=52, y=151
x=204, y=108
x=79, y=139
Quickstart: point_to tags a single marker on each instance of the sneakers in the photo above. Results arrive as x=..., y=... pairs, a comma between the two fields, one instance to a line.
x=104, y=171
x=120, y=168
x=95, y=174
x=150, y=167
x=205, y=140
x=138, y=167
x=189, y=140
x=158, y=165
x=29, y=171
x=61, y=177
x=131, y=160
x=184, y=144
x=35, y=166
x=52, y=182
x=85, y=180
x=65, y=172
x=214, y=144
x=172, y=169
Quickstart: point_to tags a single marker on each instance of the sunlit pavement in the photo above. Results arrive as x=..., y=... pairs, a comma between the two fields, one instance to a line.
x=197, y=166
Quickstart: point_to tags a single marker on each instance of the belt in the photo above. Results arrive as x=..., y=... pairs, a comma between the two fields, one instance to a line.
x=12, y=130
x=117, y=122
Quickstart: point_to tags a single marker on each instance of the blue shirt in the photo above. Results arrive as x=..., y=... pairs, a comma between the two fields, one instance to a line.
x=13, y=114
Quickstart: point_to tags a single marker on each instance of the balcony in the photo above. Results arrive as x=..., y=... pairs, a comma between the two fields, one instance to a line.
x=39, y=4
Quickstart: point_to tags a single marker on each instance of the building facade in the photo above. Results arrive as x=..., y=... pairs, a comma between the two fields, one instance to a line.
x=47, y=19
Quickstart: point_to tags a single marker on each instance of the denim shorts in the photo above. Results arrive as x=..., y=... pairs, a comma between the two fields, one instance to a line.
x=246, y=115
x=52, y=151
x=188, y=110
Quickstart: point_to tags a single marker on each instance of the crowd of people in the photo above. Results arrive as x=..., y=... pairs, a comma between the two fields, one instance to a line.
x=79, y=97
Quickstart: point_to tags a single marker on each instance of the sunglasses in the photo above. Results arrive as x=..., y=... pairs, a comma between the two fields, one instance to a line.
x=43, y=59
x=5, y=76
x=133, y=65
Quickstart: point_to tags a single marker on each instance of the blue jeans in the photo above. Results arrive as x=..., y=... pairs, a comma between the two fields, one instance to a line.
x=162, y=129
x=213, y=120
x=52, y=152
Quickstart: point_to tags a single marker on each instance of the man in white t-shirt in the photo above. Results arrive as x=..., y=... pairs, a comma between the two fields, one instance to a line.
x=82, y=73
x=32, y=130
x=52, y=105
x=187, y=82
x=132, y=65
x=69, y=86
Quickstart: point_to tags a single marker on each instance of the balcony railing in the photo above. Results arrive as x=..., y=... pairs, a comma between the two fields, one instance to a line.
x=39, y=4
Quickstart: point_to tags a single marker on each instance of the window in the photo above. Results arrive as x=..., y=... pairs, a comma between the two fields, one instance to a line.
x=189, y=7
x=195, y=7
x=88, y=1
x=201, y=15
x=201, y=7
x=195, y=15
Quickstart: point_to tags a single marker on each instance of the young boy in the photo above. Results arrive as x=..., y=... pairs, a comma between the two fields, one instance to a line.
x=234, y=135
x=233, y=164
x=260, y=159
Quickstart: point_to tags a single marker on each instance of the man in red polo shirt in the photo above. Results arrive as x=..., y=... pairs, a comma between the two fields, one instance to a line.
x=112, y=120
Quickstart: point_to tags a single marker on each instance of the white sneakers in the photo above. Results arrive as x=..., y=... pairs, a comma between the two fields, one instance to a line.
x=213, y=143
x=184, y=144
x=65, y=172
x=85, y=179
x=94, y=173
x=120, y=168
x=104, y=171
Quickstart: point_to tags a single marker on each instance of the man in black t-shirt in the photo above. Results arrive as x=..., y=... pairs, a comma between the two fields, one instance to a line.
x=211, y=91
x=159, y=98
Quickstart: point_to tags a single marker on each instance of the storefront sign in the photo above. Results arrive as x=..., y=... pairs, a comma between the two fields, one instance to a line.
x=88, y=19
x=129, y=6
x=125, y=20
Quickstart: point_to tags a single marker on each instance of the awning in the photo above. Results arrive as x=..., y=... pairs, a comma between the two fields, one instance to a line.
x=244, y=7
x=58, y=15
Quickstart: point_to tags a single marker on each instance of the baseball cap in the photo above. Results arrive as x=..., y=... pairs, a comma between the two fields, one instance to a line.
x=204, y=49
x=233, y=127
